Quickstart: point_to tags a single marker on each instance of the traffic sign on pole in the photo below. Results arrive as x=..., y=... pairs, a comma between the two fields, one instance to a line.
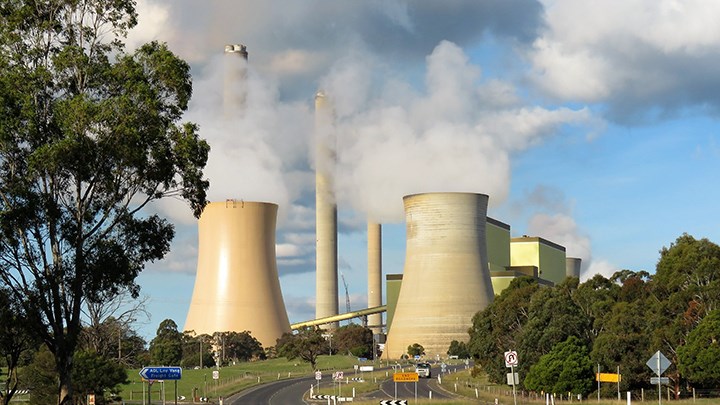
x=659, y=380
x=405, y=377
x=511, y=358
x=161, y=373
x=658, y=363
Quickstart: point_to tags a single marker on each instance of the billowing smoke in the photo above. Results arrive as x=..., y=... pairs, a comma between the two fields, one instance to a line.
x=457, y=133
x=553, y=220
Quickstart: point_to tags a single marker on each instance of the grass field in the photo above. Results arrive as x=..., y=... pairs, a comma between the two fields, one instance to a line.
x=468, y=390
x=231, y=379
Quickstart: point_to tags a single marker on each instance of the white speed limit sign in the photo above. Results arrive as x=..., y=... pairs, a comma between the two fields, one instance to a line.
x=511, y=358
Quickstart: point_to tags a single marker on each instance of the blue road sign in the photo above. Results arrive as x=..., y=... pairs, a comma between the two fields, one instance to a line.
x=161, y=373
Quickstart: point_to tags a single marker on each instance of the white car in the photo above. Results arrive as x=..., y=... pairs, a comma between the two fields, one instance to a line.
x=423, y=370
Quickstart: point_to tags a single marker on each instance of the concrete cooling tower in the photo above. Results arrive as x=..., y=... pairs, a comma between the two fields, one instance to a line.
x=446, y=278
x=237, y=286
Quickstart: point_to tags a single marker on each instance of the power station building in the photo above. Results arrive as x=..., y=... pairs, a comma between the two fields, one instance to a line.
x=456, y=260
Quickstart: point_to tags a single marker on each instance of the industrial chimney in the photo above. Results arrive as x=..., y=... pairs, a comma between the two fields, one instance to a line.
x=446, y=279
x=326, y=277
x=374, y=238
x=572, y=267
x=235, y=86
x=237, y=286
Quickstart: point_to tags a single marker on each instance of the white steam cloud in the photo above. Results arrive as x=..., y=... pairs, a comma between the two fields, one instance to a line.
x=560, y=227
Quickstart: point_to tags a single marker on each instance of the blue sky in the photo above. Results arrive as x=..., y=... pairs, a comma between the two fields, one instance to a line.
x=592, y=124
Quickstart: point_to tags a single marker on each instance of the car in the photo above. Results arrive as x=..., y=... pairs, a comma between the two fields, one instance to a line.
x=423, y=370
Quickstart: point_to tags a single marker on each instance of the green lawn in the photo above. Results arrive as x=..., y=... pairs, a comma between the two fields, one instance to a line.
x=232, y=378
x=235, y=378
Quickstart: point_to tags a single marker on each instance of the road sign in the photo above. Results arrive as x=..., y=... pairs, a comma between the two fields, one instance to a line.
x=659, y=380
x=511, y=358
x=91, y=399
x=318, y=375
x=338, y=375
x=393, y=402
x=367, y=368
x=608, y=377
x=405, y=377
x=511, y=380
x=658, y=363
x=161, y=373
x=216, y=375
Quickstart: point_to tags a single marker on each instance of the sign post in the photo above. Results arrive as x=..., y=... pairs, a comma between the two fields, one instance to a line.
x=658, y=363
x=406, y=377
x=511, y=360
x=318, y=377
x=161, y=373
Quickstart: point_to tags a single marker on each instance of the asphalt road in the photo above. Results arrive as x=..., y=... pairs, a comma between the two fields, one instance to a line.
x=423, y=388
x=282, y=392
x=291, y=392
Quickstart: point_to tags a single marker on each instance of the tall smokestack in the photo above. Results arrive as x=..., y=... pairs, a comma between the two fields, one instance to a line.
x=572, y=267
x=446, y=279
x=326, y=296
x=374, y=237
x=235, y=86
x=237, y=286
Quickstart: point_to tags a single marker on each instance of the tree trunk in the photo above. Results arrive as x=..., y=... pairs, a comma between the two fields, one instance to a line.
x=64, y=372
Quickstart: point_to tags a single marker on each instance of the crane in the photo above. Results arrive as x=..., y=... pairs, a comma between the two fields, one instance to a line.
x=347, y=295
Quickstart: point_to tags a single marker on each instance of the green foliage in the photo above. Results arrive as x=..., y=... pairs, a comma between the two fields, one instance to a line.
x=90, y=136
x=567, y=368
x=415, y=349
x=241, y=346
x=307, y=344
x=41, y=378
x=700, y=356
x=166, y=347
x=16, y=341
x=552, y=317
x=113, y=340
x=196, y=350
x=686, y=287
x=355, y=340
x=95, y=374
x=624, y=341
x=458, y=349
x=495, y=329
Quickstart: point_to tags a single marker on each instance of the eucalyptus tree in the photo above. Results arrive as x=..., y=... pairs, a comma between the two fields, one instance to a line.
x=553, y=317
x=700, y=356
x=685, y=288
x=90, y=137
x=496, y=328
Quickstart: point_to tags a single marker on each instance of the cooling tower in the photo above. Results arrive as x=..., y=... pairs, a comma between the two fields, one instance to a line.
x=235, y=80
x=326, y=277
x=572, y=267
x=237, y=286
x=446, y=279
x=374, y=237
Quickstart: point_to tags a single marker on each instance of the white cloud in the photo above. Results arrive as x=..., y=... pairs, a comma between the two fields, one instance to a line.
x=633, y=55
x=152, y=18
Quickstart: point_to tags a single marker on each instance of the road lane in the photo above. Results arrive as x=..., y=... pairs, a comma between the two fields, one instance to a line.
x=282, y=392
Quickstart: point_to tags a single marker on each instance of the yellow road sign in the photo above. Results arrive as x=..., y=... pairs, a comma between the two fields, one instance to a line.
x=607, y=377
x=405, y=377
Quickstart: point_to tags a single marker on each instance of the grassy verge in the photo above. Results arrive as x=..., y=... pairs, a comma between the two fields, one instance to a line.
x=235, y=378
